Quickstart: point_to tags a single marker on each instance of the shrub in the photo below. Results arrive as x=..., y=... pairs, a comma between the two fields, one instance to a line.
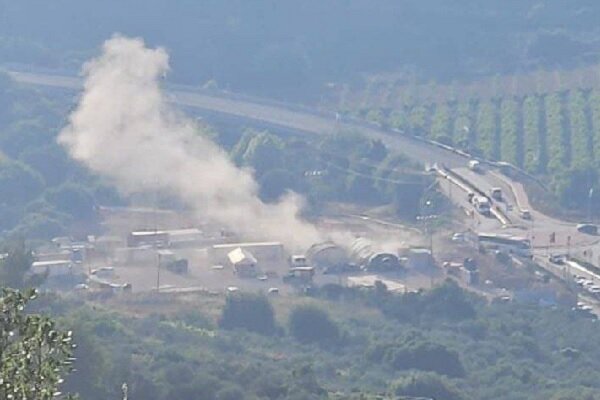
x=248, y=311
x=310, y=324
x=427, y=385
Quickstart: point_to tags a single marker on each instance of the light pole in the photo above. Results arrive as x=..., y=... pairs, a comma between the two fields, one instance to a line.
x=425, y=218
x=158, y=271
x=590, y=196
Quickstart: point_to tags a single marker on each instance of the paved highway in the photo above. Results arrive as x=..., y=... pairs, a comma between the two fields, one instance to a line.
x=259, y=110
x=296, y=118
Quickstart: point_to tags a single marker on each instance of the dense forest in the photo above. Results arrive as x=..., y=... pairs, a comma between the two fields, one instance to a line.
x=291, y=50
x=336, y=343
x=522, y=90
x=43, y=192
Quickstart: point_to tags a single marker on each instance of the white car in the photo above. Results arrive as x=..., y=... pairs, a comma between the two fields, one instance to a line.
x=594, y=289
x=273, y=290
x=584, y=307
x=458, y=237
x=587, y=284
x=580, y=280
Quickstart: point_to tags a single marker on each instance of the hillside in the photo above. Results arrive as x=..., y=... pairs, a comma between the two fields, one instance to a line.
x=335, y=344
x=291, y=50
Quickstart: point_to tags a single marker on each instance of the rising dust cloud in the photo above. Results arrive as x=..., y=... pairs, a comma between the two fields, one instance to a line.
x=125, y=129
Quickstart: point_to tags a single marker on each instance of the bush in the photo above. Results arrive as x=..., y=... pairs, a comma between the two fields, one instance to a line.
x=427, y=385
x=248, y=311
x=230, y=393
x=449, y=301
x=310, y=324
x=416, y=353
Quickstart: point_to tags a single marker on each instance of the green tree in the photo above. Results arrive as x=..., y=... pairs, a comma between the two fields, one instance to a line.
x=19, y=184
x=50, y=162
x=274, y=183
x=264, y=153
x=419, y=120
x=230, y=393
x=581, y=134
x=428, y=385
x=594, y=106
x=15, y=265
x=440, y=125
x=557, y=139
x=415, y=352
x=511, y=145
x=310, y=324
x=35, y=354
x=462, y=126
x=533, y=151
x=487, y=138
x=72, y=199
x=448, y=301
x=248, y=311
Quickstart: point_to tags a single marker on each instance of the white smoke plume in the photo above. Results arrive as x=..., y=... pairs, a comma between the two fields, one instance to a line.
x=125, y=129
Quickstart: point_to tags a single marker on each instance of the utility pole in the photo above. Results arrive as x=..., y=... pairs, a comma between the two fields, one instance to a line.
x=425, y=218
x=155, y=241
x=590, y=196
x=125, y=391
x=157, y=272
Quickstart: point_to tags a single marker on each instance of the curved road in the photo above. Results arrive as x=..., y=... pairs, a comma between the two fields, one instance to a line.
x=272, y=114
x=295, y=118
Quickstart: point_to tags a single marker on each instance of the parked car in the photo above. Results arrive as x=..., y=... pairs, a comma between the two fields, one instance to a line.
x=525, y=214
x=580, y=280
x=587, y=284
x=595, y=290
x=458, y=237
x=557, y=259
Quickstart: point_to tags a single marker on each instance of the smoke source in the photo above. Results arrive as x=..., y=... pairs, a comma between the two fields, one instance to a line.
x=125, y=129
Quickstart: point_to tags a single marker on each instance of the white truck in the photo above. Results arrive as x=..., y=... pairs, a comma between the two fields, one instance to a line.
x=482, y=205
x=474, y=165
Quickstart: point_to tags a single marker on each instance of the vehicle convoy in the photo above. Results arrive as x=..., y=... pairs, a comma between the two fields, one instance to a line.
x=482, y=205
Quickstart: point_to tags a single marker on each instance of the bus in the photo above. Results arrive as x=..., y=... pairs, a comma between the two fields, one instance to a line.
x=510, y=244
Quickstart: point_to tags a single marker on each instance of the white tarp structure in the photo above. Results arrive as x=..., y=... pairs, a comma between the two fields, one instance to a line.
x=266, y=252
x=242, y=261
